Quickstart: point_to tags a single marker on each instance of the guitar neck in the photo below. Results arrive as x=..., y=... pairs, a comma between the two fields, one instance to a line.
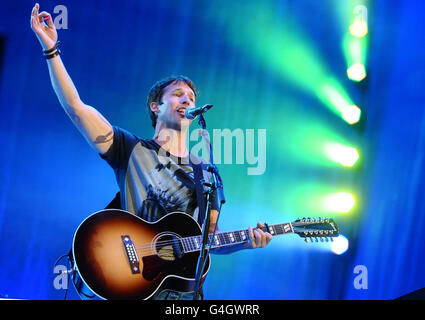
x=222, y=239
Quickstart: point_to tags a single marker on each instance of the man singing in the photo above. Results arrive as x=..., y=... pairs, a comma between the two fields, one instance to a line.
x=150, y=187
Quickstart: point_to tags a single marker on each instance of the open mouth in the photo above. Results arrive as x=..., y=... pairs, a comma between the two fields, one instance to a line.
x=181, y=111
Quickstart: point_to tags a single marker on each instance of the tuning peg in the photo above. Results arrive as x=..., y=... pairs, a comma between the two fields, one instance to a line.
x=306, y=240
x=332, y=239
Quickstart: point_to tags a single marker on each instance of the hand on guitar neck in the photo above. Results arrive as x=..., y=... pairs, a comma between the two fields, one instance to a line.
x=259, y=238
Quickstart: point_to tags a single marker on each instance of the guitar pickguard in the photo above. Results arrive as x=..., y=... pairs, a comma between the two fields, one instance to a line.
x=153, y=266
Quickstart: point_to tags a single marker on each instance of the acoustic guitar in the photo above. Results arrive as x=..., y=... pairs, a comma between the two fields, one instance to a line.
x=118, y=255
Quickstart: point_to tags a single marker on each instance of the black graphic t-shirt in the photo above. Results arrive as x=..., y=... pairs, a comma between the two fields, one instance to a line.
x=153, y=182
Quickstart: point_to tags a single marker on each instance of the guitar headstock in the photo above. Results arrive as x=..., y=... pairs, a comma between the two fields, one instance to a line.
x=316, y=228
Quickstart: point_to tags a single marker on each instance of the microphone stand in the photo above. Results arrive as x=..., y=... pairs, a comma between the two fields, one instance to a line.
x=215, y=185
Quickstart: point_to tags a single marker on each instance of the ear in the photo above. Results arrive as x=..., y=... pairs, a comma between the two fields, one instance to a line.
x=154, y=107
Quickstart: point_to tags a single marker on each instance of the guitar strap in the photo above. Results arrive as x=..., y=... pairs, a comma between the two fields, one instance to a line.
x=199, y=179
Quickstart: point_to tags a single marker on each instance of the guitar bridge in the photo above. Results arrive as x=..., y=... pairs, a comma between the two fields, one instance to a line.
x=131, y=252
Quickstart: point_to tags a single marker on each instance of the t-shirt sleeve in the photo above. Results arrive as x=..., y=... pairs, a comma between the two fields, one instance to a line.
x=119, y=153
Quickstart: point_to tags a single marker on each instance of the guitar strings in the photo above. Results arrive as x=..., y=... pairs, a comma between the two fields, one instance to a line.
x=143, y=248
x=141, y=245
x=163, y=242
x=150, y=250
x=151, y=244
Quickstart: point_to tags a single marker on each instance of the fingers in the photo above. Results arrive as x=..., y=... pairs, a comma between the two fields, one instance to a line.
x=43, y=18
x=37, y=18
x=34, y=16
x=255, y=237
x=35, y=10
x=259, y=238
x=44, y=15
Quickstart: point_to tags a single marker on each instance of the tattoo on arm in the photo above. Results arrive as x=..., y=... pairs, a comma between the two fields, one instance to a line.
x=99, y=139
x=104, y=138
x=74, y=117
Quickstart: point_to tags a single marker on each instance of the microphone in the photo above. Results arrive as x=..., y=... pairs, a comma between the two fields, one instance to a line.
x=192, y=113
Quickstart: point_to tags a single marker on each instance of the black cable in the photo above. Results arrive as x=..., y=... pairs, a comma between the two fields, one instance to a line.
x=67, y=273
x=61, y=257
x=68, y=276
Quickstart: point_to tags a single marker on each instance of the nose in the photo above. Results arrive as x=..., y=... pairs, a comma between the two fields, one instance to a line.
x=186, y=99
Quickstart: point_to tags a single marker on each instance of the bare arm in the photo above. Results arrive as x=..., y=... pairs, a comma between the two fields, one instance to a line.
x=92, y=125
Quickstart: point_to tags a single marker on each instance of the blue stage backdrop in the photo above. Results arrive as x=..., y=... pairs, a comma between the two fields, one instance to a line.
x=275, y=71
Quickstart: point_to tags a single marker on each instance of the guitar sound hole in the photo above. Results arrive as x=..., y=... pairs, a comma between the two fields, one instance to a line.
x=168, y=247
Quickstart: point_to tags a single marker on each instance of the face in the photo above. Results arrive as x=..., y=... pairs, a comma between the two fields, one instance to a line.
x=176, y=98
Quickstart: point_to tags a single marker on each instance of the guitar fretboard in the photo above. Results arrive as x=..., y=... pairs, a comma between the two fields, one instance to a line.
x=190, y=244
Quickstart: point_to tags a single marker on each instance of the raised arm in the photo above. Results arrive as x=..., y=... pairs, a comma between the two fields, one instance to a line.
x=92, y=125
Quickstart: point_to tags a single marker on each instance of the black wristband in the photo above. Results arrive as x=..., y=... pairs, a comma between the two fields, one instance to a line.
x=52, y=49
x=54, y=54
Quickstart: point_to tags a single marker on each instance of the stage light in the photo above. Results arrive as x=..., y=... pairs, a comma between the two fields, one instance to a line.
x=341, y=202
x=344, y=155
x=315, y=144
x=358, y=28
x=356, y=72
x=355, y=45
x=339, y=245
x=286, y=51
x=351, y=114
x=333, y=95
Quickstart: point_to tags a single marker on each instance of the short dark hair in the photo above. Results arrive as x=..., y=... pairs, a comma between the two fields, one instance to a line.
x=157, y=90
